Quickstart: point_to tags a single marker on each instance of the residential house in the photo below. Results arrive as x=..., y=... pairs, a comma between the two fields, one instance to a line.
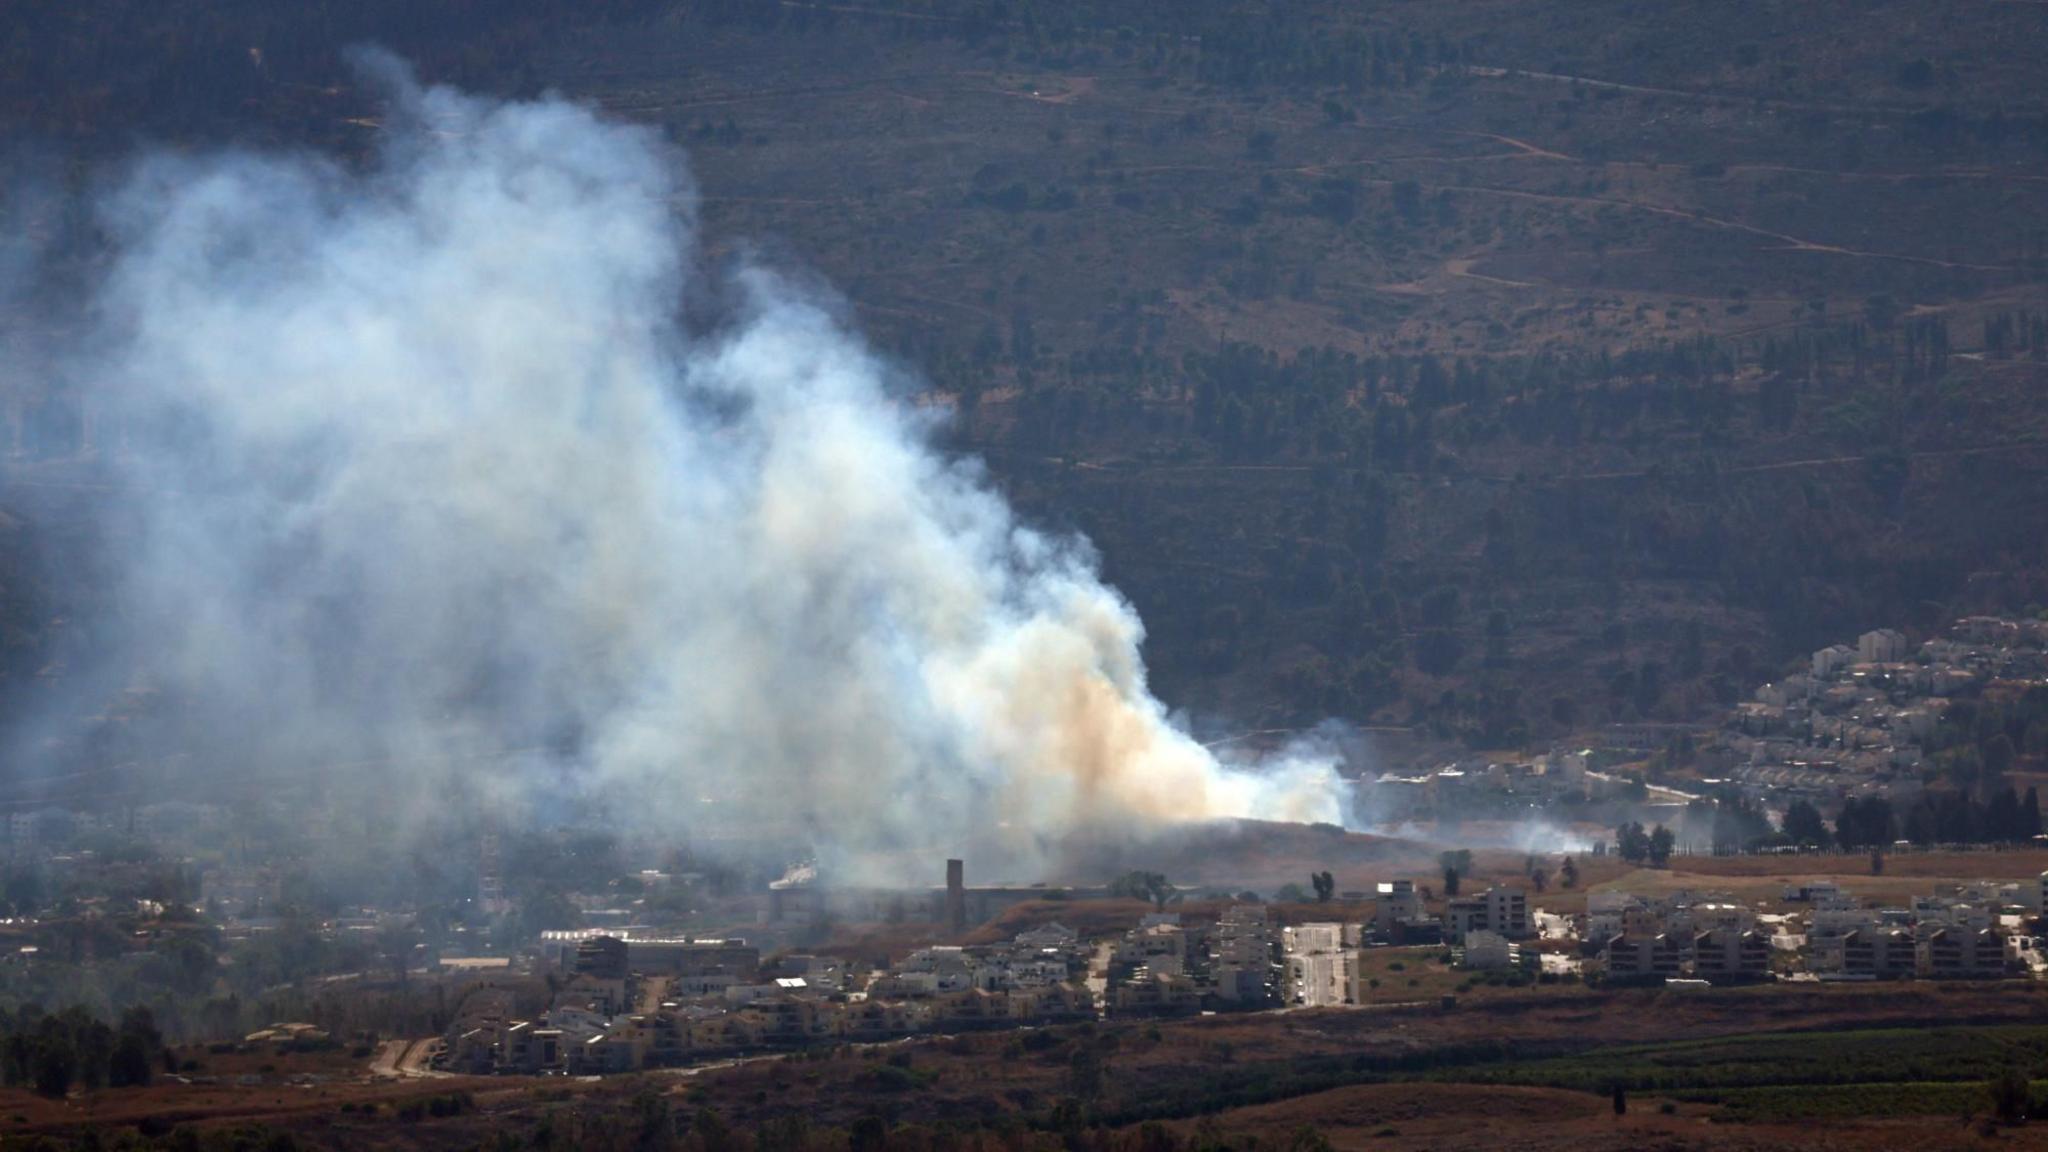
x=1960, y=953
x=1731, y=954
x=1645, y=955
x=1490, y=950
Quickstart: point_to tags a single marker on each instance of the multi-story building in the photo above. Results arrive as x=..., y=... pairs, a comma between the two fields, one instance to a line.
x=1965, y=954
x=1731, y=954
x=1397, y=902
x=693, y=957
x=1641, y=956
x=1241, y=965
x=1503, y=911
x=1155, y=995
x=1162, y=948
x=1490, y=950
x=1883, y=954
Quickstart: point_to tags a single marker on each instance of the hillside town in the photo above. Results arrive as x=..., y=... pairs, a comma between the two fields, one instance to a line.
x=624, y=1003
x=1868, y=720
x=653, y=967
x=1880, y=720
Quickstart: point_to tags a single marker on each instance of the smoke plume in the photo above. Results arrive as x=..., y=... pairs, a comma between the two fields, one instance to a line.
x=427, y=479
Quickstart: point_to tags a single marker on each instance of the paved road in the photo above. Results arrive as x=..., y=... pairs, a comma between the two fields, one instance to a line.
x=384, y=1064
x=405, y=1059
x=1098, y=974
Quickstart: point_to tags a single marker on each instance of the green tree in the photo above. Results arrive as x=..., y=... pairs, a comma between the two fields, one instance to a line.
x=870, y=1133
x=1308, y=1138
x=1325, y=885
x=1803, y=825
x=1865, y=823
x=1692, y=650
x=1997, y=757
x=712, y=1131
x=2011, y=1096
x=1149, y=886
x=56, y=1064
x=1661, y=842
x=1631, y=843
x=1085, y=1072
x=1459, y=861
x=132, y=1063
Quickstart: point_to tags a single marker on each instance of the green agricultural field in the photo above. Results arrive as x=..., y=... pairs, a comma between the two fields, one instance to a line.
x=1890, y=1071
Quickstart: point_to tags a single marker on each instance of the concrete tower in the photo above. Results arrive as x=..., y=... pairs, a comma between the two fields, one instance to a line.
x=956, y=895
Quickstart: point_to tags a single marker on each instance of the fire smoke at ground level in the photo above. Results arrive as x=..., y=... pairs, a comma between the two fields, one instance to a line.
x=422, y=464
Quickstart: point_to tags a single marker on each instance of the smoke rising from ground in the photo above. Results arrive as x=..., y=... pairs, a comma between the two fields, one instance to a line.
x=426, y=469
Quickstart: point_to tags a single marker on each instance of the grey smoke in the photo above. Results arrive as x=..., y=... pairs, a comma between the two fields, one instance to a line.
x=432, y=492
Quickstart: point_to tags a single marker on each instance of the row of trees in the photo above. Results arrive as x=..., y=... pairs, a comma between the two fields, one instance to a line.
x=1637, y=846
x=1937, y=817
x=1932, y=818
x=52, y=1053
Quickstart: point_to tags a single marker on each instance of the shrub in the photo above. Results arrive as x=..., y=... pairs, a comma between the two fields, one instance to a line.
x=2011, y=1096
x=892, y=1078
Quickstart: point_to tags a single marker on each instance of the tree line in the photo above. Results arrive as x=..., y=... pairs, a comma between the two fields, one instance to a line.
x=53, y=1053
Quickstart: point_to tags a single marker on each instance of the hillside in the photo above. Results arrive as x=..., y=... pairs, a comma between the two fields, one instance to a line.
x=1488, y=369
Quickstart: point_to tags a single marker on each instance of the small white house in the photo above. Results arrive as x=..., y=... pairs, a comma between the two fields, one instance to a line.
x=1490, y=950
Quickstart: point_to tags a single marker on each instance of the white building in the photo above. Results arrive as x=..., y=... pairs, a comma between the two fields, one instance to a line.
x=1830, y=923
x=1397, y=901
x=1831, y=660
x=1488, y=950
x=1936, y=912
x=1819, y=893
x=1882, y=646
x=1241, y=953
x=1711, y=916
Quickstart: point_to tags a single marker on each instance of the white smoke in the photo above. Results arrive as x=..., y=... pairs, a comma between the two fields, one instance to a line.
x=426, y=467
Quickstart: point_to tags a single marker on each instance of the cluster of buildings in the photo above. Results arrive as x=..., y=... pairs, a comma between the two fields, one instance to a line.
x=1323, y=964
x=1972, y=931
x=1678, y=936
x=1858, y=720
x=628, y=1003
x=1484, y=788
x=623, y=1002
x=1165, y=966
x=1975, y=931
